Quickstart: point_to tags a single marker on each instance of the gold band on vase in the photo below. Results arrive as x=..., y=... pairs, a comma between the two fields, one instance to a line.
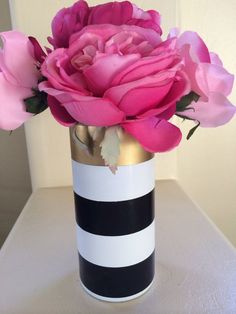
x=131, y=152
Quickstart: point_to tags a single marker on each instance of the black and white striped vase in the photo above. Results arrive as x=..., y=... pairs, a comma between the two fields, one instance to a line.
x=115, y=220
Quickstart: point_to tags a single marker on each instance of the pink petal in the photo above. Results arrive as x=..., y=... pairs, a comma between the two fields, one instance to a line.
x=215, y=59
x=18, y=59
x=174, y=32
x=84, y=109
x=190, y=69
x=167, y=108
x=143, y=98
x=147, y=19
x=39, y=54
x=60, y=113
x=154, y=134
x=198, y=47
x=144, y=67
x=116, y=13
x=68, y=21
x=101, y=73
x=61, y=95
x=214, y=78
x=156, y=17
x=217, y=111
x=94, y=111
x=151, y=36
x=141, y=95
x=146, y=24
x=140, y=14
x=166, y=47
x=90, y=35
x=53, y=69
x=105, y=32
x=12, y=108
x=11, y=79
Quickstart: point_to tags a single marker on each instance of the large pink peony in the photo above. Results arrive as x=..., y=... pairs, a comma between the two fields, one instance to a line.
x=18, y=75
x=209, y=80
x=113, y=75
x=71, y=20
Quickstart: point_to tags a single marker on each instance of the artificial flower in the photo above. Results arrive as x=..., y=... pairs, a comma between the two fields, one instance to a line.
x=209, y=80
x=18, y=76
x=114, y=75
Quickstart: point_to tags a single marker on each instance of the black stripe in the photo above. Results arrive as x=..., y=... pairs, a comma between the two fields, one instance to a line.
x=117, y=282
x=114, y=218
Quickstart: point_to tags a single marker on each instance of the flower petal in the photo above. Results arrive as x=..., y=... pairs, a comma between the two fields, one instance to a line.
x=18, y=59
x=11, y=79
x=197, y=46
x=106, y=31
x=144, y=67
x=167, y=108
x=141, y=95
x=217, y=111
x=154, y=134
x=60, y=95
x=147, y=19
x=190, y=69
x=54, y=69
x=59, y=112
x=39, y=54
x=12, y=108
x=101, y=73
x=68, y=21
x=214, y=78
x=142, y=98
x=215, y=59
x=94, y=111
x=116, y=13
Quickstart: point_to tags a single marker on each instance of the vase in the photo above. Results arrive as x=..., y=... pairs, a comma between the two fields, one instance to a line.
x=114, y=219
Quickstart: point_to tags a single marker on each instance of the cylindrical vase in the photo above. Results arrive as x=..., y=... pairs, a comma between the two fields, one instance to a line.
x=115, y=219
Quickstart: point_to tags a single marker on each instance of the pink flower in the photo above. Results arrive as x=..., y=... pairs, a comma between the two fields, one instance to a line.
x=113, y=75
x=209, y=80
x=18, y=75
x=71, y=20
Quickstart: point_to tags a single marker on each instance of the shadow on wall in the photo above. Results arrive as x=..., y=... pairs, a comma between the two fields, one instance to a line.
x=15, y=184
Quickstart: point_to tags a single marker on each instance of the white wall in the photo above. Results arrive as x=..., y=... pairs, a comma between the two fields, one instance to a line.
x=207, y=162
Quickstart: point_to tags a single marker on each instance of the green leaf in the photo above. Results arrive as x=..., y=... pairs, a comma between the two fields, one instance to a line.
x=184, y=117
x=37, y=103
x=190, y=133
x=185, y=101
x=110, y=147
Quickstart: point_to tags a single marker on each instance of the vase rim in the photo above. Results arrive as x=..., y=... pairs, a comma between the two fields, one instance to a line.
x=131, y=151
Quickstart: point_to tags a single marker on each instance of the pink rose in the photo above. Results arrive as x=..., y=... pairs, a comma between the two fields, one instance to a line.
x=71, y=20
x=113, y=75
x=209, y=80
x=18, y=75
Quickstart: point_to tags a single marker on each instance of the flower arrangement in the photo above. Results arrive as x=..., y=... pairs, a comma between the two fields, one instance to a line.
x=109, y=67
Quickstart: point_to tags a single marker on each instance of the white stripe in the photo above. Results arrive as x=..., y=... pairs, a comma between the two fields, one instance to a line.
x=98, y=183
x=116, y=251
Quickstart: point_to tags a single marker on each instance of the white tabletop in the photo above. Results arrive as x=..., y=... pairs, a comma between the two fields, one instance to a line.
x=195, y=265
